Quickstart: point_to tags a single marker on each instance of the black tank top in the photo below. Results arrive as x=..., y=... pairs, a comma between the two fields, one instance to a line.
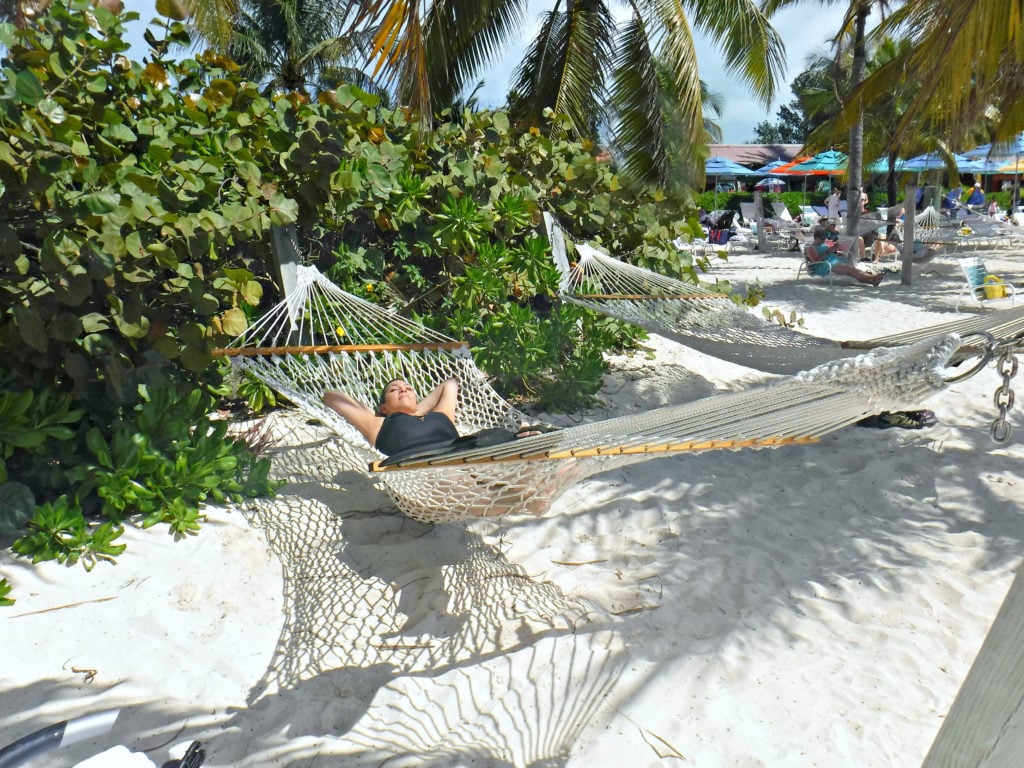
x=401, y=431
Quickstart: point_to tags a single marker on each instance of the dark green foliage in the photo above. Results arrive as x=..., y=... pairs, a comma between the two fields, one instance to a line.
x=136, y=202
x=158, y=467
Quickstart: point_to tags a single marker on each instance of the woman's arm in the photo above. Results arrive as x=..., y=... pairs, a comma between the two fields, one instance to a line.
x=443, y=399
x=356, y=414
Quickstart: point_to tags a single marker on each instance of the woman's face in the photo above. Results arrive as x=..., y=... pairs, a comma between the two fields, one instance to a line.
x=399, y=397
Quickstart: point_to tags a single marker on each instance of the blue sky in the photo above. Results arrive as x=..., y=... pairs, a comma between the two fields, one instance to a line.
x=805, y=28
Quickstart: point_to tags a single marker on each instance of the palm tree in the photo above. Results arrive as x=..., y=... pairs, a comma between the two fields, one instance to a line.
x=967, y=62
x=586, y=62
x=288, y=45
x=852, y=33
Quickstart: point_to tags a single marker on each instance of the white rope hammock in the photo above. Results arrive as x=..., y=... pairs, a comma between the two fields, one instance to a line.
x=712, y=323
x=322, y=338
x=972, y=231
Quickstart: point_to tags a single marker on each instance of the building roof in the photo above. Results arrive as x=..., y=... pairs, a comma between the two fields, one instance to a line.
x=756, y=155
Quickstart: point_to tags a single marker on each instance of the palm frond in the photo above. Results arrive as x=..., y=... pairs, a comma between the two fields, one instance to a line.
x=963, y=55
x=462, y=37
x=565, y=69
x=636, y=100
x=751, y=48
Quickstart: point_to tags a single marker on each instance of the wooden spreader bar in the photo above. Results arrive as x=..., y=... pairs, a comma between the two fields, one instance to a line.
x=324, y=348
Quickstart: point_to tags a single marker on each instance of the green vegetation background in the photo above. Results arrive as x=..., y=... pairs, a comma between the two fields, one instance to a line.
x=136, y=202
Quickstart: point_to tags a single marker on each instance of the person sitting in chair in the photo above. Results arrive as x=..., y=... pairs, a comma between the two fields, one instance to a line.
x=977, y=196
x=845, y=244
x=402, y=422
x=823, y=257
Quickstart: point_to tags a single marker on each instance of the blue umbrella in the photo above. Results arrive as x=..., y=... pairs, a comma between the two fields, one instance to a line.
x=881, y=165
x=982, y=166
x=722, y=166
x=998, y=150
x=981, y=151
x=719, y=166
x=769, y=167
x=927, y=162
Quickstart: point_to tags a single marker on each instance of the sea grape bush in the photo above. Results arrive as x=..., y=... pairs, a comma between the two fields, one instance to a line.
x=136, y=202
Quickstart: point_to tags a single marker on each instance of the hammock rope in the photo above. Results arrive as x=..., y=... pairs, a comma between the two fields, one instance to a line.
x=321, y=338
x=710, y=322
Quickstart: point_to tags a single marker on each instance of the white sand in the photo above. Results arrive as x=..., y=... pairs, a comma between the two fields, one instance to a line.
x=809, y=606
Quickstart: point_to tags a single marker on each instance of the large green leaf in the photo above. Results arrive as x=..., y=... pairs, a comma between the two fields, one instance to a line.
x=101, y=202
x=16, y=505
x=27, y=88
x=31, y=328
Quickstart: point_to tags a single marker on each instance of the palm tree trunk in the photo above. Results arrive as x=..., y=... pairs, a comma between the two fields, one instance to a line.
x=855, y=166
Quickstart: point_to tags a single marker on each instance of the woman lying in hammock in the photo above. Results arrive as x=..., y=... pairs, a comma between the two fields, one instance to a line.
x=404, y=424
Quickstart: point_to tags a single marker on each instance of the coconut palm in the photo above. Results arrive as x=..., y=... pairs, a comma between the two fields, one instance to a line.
x=288, y=45
x=852, y=33
x=967, y=61
x=586, y=62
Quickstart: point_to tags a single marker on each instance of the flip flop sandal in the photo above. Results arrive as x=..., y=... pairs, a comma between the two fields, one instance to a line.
x=900, y=420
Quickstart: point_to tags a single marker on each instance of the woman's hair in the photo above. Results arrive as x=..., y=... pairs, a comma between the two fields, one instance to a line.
x=818, y=233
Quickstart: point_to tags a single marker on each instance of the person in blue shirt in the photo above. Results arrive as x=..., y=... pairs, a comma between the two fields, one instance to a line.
x=977, y=196
x=823, y=257
x=952, y=199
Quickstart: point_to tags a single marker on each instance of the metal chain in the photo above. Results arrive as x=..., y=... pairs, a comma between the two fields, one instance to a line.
x=1003, y=398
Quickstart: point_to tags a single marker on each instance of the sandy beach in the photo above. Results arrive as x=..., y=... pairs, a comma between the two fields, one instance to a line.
x=807, y=607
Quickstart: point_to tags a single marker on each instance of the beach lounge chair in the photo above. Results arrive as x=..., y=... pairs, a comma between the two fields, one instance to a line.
x=981, y=286
x=820, y=269
x=808, y=216
x=782, y=212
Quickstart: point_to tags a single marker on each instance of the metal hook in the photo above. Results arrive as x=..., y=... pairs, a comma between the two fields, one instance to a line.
x=985, y=357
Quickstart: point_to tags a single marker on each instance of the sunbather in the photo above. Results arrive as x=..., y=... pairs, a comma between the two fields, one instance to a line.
x=403, y=422
x=852, y=247
x=822, y=257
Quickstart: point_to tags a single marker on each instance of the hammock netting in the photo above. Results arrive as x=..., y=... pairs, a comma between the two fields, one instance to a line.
x=321, y=338
x=975, y=230
x=712, y=323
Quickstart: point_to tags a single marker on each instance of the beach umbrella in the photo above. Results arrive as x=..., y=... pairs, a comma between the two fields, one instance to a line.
x=771, y=184
x=770, y=167
x=930, y=161
x=981, y=166
x=720, y=167
x=881, y=165
x=978, y=153
x=723, y=167
x=824, y=163
x=827, y=163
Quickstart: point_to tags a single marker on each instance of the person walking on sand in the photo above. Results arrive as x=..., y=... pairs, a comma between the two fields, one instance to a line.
x=833, y=205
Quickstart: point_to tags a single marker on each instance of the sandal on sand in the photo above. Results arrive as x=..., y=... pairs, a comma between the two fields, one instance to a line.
x=900, y=420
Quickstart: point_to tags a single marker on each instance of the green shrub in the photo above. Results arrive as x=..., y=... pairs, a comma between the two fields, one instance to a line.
x=136, y=202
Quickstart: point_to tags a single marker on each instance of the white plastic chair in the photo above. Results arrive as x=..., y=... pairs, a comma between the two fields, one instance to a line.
x=981, y=286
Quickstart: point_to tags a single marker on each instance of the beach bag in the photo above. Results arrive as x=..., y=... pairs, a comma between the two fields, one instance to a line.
x=718, y=236
x=995, y=288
